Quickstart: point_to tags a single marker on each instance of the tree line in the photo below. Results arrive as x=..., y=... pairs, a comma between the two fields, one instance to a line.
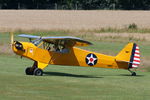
x=76, y=4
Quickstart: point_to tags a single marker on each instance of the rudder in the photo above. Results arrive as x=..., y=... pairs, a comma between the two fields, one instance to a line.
x=135, y=57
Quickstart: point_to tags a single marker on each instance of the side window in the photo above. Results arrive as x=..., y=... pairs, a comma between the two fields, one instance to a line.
x=54, y=48
x=44, y=45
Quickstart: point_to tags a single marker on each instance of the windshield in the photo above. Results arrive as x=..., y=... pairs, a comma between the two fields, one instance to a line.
x=37, y=42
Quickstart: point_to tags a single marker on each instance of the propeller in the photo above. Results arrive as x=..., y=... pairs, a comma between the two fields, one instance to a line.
x=11, y=38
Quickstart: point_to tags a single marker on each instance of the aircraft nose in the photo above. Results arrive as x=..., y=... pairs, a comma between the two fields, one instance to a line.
x=19, y=46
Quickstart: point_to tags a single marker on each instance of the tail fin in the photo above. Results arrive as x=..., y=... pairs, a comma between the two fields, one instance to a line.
x=130, y=54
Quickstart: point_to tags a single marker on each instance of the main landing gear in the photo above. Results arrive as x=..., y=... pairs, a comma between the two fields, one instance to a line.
x=132, y=72
x=34, y=70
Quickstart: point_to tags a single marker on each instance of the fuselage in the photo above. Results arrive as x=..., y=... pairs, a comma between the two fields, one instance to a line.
x=74, y=57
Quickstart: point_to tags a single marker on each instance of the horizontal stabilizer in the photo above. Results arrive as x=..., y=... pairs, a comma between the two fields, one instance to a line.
x=127, y=61
x=122, y=61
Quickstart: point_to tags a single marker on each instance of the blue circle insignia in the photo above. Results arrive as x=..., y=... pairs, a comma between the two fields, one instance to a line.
x=91, y=59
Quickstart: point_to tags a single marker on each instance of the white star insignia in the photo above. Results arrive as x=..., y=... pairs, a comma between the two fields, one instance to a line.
x=91, y=59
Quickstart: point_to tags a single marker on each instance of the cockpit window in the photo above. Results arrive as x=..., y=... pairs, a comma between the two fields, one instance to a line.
x=54, y=47
x=37, y=42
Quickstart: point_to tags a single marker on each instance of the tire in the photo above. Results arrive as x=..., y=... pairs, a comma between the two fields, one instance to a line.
x=133, y=74
x=28, y=71
x=38, y=72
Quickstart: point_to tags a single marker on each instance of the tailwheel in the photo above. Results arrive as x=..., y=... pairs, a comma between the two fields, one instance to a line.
x=29, y=71
x=38, y=72
x=132, y=73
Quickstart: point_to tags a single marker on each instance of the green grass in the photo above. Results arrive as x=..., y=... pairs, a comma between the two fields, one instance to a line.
x=73, y=83
x=70, y=83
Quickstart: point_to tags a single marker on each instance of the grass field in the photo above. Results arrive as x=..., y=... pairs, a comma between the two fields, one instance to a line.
x=65, y=82
x=73, y=83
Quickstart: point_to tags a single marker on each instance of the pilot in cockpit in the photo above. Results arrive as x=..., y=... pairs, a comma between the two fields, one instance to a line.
x=64, y=49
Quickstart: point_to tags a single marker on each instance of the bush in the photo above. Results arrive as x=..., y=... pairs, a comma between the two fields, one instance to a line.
x=132, y=26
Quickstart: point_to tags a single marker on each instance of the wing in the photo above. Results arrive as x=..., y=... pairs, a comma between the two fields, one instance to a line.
x=29, y=36
x=61, y=40
x=67, y=40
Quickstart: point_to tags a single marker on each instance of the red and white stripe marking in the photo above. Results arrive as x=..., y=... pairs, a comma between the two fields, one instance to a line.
x=136, y=58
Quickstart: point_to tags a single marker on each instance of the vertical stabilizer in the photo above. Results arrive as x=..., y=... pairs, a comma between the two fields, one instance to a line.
x=130, y=54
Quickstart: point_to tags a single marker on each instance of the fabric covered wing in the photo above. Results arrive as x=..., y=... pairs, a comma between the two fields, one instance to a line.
x=68, y=40
x=29, y=36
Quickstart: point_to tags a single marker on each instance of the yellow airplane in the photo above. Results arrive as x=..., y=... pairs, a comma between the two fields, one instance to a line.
x=62, y=50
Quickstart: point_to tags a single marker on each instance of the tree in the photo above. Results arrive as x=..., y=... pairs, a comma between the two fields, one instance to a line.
x=76, y=4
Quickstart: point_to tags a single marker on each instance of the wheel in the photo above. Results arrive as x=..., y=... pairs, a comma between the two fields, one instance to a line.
x=29, y=71
x=133, y=74
x=38, y=72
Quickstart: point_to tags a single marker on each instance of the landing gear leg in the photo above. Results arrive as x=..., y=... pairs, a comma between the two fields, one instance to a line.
x=132, y=72
x=30, y=70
